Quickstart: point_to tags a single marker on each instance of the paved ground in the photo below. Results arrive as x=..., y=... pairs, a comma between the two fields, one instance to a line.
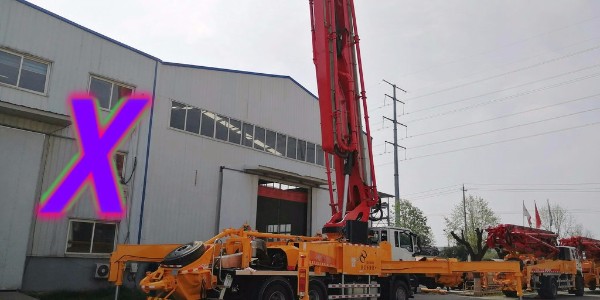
x=589, y=295
x=14, y=296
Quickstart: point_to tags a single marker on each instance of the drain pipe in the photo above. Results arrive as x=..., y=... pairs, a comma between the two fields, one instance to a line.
x=219, y=198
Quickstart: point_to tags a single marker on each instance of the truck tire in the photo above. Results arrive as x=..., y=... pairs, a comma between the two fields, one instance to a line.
x=579, y=285
x=399, y=290
x=592, y=285
x=510, y=294
x=184, y=254
x=549, y=288
x=317, y=290
x=276, y=288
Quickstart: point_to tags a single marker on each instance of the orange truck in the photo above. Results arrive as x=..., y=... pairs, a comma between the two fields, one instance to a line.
x=346, y=264
x=546, y=266
x=589, y=251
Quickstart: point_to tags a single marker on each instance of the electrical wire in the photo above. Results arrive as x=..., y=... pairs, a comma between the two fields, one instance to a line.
x=528, y=67
x=513, y=96
x=500, y=117
x=497, y=142
x=505, y=89
x=505, y=128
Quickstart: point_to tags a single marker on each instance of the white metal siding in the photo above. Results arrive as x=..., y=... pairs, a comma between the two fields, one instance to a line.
x=20, y=154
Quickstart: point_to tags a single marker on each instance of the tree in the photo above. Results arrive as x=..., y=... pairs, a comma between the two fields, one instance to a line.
x=411, y=217
x=479, y=217
x=563, y=222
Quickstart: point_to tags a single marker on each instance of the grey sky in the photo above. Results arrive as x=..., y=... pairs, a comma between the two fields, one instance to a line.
x=442, y=52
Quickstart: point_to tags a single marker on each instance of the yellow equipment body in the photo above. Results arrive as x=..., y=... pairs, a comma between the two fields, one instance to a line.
x=232, y=254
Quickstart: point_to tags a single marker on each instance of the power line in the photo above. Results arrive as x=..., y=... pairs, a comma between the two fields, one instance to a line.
x=505, y=89
x=587, y=183
x=505, y=128
x=501, y=47
x=508, y=73
x=503, y=116
x=507, y=97
x=497, y=142
x=436, y=189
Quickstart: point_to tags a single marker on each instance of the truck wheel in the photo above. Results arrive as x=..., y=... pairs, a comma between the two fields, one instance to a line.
x=549, y=289
x=510, y=294
x=579, y=285
x=316, y=290
x=592, y=285
x=184, y=254
x=399, y=291
x=276, y=288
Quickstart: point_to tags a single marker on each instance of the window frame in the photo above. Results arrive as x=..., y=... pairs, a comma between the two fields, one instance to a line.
x=112, y=88
x=90, y=253
x=32, y=58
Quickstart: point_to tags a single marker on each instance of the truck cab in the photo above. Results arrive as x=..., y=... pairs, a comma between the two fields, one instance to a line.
x=405, y=243
x=570, y=254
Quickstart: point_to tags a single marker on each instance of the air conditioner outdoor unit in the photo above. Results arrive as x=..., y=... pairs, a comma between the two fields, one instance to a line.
x=101, y=270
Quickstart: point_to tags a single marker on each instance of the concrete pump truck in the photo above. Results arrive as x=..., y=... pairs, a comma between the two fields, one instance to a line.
x=347, y=263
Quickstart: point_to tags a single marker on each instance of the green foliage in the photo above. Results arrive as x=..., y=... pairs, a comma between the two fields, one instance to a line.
x=411, y=217
x=479, y=215
x=458, y=252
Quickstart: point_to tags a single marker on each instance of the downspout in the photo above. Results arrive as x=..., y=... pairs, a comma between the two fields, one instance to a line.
x=139, y=238
x=219, y=199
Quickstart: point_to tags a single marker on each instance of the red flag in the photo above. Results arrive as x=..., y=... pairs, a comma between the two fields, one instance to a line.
x=538, y=220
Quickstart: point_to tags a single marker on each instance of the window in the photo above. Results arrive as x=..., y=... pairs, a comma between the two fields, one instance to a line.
x=406, y=241
x=271, y=142
x=208, y=124
x=291, y=147
x=301, y=150
x=320, y=156
x=91, y=237
x=222, y=128
x=259, y=138
x=248, y=135
x=185, y=117
x=235, y=131
x=280, y=228
x=178, y=112
x=120, y=164
x=281, y=143
x=396, y=239
x=23, y=72
x=108, y=93
x=310, y=153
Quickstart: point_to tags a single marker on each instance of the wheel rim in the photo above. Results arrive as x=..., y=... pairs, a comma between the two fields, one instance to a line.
x=277, y=295
x=400, y=294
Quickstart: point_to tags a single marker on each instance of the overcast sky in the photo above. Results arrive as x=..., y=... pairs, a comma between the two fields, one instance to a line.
x=531, y=66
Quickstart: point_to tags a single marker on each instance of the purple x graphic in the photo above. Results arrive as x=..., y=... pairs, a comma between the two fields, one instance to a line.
x=93, y=165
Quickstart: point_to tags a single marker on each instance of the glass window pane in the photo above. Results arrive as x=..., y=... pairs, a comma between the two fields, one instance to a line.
x=235, y=131
x=119, y=92
x=80, y=237
x=177, y=115
x=320, y=157
x=208, y=124
x=281, y=142
x=248, y=135
x=120, y=163
x=301, y=150
x=259, y=138
x=310, y=153
x=33, y=75
x=291, y=147
x=101, y=90
x=192, y=121
x=222, y=128
x=9, y=67
x=104, y=238
x=270, y=141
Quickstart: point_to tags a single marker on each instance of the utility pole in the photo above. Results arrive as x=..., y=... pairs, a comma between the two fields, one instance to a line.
x=395, y=144
x=465, y=208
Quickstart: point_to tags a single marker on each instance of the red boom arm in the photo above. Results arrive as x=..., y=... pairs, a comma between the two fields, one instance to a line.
x=524, y=240
x=336, y=55
x=591, y=247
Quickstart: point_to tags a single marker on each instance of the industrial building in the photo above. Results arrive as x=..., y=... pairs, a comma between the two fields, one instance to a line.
x=218, y=149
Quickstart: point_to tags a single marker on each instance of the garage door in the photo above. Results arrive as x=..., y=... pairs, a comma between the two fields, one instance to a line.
x=20, y=157
x=281, y=210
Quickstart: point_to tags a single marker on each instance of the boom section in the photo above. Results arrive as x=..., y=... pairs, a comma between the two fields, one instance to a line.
x=521, y=239
x=342, y=101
